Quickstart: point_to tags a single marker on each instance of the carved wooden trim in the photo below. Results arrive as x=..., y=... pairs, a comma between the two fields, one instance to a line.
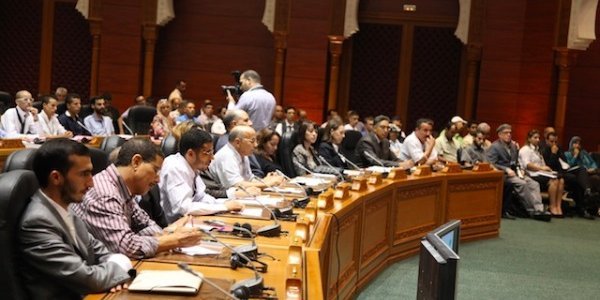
x=479, y=219
x=417, y=232
x=335, y=51
x=472, y=186
x=403, y=18
x=417, y=192
x=382, y=245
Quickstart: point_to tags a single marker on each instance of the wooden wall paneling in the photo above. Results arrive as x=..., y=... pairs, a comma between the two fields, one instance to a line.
x=95, y=19
x=149, y=35
x=344, y=81
x=46, y=51
x=283, y=10
x=405, y=65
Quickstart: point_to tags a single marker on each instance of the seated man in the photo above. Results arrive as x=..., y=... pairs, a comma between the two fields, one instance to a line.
x=114, y=217
x=231, y=164
x=181, y=188
x=474, y=153
x=504, y=154
x=377, y=146
x=23, y=118
x=98, y=123
x=188, y=112
x=70, y=119
x=445, y=145
x=419, y=146
x=60, y=259
x=49, y=126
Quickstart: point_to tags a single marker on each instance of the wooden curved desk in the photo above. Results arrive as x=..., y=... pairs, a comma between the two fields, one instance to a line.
x=366, y=232
x=384, y=224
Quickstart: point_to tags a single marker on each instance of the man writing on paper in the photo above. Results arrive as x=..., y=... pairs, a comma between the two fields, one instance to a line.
x=61, y=260
x=181, y=188
x=114, y=217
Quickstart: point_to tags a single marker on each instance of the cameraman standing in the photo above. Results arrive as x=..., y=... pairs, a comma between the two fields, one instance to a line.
x=256, y=101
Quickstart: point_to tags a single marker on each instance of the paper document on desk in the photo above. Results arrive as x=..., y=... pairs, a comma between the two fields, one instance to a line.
x=165, y=281
x=264, y=199
x=352, y=172
x=284, y=190
x=309, y=181
x=379, y=169
x=204, y=248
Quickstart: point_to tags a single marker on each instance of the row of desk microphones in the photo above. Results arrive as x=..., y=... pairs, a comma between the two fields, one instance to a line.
x=273, y=230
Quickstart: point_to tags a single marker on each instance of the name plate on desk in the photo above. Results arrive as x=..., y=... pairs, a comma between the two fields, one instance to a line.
x=397, y=173
x=452, y=168
x=311, y=211
x=359, y=184
x=374, y=179
x=482, y=167
x=325, y=200
x=423, y=171
x=342, y=191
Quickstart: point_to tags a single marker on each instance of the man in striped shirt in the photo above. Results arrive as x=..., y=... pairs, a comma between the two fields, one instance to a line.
x=114, y=217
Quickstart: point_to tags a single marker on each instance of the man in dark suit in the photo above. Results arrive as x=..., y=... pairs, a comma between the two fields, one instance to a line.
x=376, y=145
x=504, y=154
x=61, y=260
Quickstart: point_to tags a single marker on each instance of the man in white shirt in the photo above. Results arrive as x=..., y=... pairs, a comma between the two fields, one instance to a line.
x=181, y=188
x=21, y=119
x=97, y=123
x=231, y=164
x=49, y=126
x=419, y=145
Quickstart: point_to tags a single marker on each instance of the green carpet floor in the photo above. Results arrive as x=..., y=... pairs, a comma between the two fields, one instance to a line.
x=530, y=260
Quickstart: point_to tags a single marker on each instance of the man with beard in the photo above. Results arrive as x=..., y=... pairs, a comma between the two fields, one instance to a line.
x=61, y=260
x=70, y=120
x=474, y=153
x=97, y=123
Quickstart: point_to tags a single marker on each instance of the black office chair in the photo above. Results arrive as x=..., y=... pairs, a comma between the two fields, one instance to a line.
x=320, y=134
x=61, y=108
x=110, y=143
x=215, y=139
x=19, y=160
x=38, y=105
x=6, y=101
x=288, y=141
x=349, y=145
x=169, y=145
x=140, y=118
x=85, y=111
x=16, y=189
x=99, y=160
x=150, y=203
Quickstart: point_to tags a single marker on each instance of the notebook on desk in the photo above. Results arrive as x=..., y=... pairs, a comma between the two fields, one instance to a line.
x=154, y=281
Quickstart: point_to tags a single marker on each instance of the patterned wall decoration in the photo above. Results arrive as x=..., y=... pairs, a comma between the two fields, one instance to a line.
x=434, y=75
x=20, y=33
x=72, y=50
x=375, y=64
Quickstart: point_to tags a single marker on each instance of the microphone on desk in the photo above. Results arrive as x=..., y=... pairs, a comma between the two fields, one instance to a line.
x=299, y=165
x=371, y=156
x=128, y=128
x=286, y=213
x=237, y=296
x=246, y=288
x=83, y=126
x=273, y=230
x=301, y=202
x=324, y=161
x=350, y=162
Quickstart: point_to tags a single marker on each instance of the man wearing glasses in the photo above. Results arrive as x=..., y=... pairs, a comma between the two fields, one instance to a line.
x=181, y=188
x=373, y=149
x=231, y=164
x=23, y=118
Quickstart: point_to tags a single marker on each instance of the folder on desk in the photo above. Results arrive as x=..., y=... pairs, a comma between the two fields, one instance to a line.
x=176, y=281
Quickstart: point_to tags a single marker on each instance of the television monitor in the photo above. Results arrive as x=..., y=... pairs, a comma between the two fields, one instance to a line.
x=438, y=262
x=449, y=233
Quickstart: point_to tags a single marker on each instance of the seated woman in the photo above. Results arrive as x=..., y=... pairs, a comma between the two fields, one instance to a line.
x=533, y=163
x=329, y=148
x=577, y=156
x=162, y=124
x=304, y=155
x=268, y=140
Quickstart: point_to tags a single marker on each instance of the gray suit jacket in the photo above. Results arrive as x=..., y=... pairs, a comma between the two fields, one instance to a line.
x=53, y=267
x=368, y=143
x=498, y=154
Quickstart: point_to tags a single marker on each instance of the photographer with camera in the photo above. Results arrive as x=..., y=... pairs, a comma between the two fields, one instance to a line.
x=256, y=100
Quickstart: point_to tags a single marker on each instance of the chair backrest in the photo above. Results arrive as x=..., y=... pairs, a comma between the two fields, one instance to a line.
x=110, y=143
x=349, y=145
x=169, y=145
x=150, y=203
x=20, y=160
x=61, y=108
x=85, y=111
x=140, y=117
x=5, y=101
x=38, y=105
x=320, y=134
x=284, y=152
x=16, y=189
x=99, y=160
